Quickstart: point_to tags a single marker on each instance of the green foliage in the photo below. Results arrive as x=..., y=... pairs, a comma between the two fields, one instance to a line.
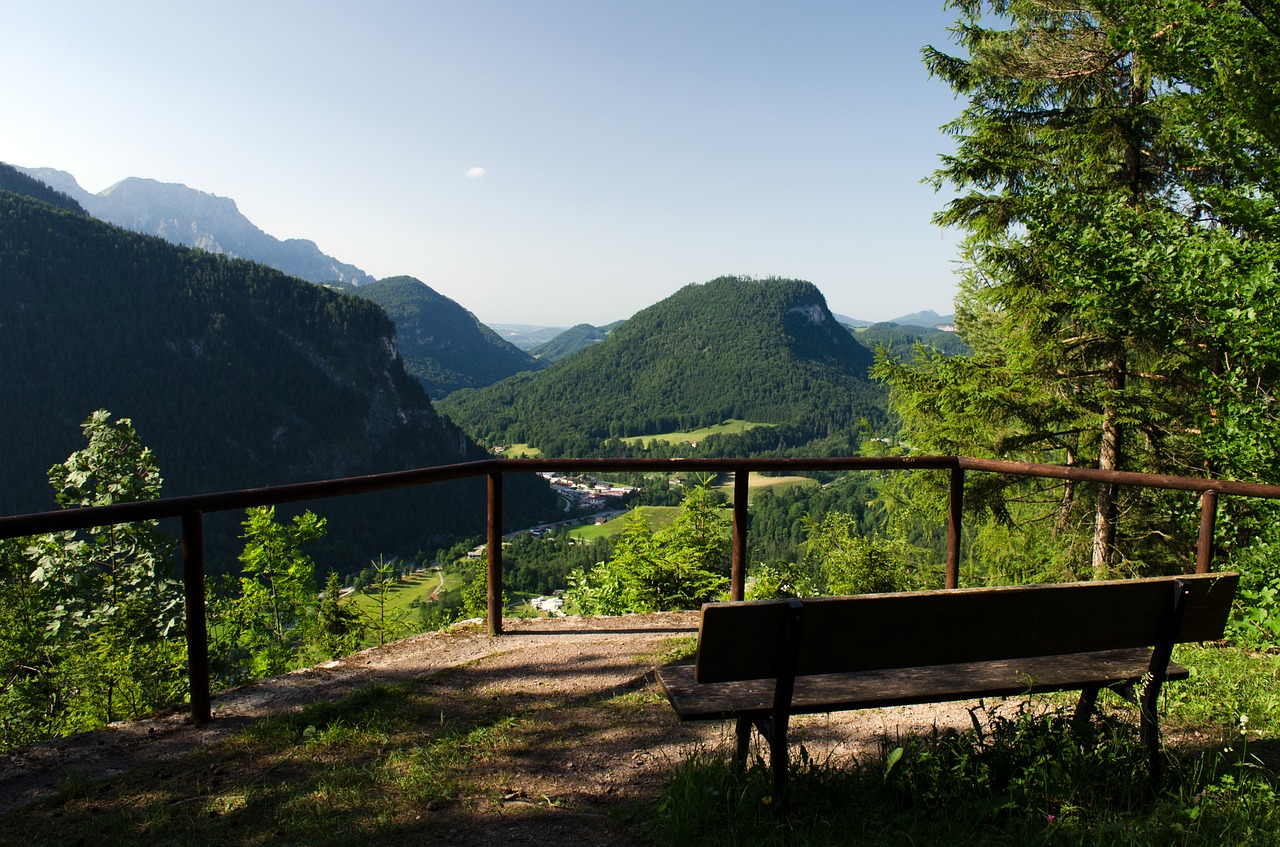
x=93, y=621
x=1256, y=618
x=1014, y=778
x=678, y=567
x=339, y=630
x=267, y=621
x=475, y=593
x=1116, y=185
x=385, y=624
x=837, y=559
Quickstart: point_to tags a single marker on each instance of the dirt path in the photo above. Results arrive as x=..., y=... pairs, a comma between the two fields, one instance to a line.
x=580, y=762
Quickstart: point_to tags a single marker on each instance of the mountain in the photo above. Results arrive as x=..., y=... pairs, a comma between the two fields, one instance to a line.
x=12, y=179
x=443, y=345
x=527, y=337
x=572, y=340
x=928, y=318
x=767, y=351
x=236, y=376
x=182, y=215
x=902, y=339
x=848, y=321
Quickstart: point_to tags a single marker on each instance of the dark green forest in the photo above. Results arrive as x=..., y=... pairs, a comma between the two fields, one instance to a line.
x=766, y=351
x=442, y=344
x=236, y=376
x=12, y=179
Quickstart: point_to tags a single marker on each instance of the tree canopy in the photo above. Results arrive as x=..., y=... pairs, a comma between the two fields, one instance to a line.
x=1114, y=175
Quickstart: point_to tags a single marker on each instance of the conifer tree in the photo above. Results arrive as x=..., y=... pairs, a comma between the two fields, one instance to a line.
x=1100, y=277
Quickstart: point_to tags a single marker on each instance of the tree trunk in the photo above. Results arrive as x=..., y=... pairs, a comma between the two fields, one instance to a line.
x=1068, y=497
x=1104, y=531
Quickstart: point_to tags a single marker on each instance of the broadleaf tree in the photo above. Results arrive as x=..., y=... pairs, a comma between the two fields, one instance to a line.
x=93, y=620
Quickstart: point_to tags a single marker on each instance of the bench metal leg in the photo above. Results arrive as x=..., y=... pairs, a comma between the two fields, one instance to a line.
x=743, y=731
x=1149, y=733
x=778, y=758
x=1150, y=700
x=1084, y=710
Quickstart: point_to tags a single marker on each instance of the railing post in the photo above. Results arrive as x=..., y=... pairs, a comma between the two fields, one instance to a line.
x=738, y=574
x=494, y=548
x=952, y=579
x=1208, y=523
x=197, y=626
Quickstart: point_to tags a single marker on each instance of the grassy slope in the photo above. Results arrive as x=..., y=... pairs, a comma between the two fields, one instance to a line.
x=693, y=436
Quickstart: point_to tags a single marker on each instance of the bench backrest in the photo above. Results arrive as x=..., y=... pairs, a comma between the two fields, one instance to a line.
x=743, y=640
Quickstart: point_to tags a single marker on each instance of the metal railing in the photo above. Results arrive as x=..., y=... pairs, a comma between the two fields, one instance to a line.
x=191, y=511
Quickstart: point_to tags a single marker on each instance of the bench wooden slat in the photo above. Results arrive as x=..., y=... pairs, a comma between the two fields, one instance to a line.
x=878, y=631
x=906, y=686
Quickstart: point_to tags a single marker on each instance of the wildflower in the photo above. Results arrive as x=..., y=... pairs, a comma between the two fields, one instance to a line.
x=1050, y=818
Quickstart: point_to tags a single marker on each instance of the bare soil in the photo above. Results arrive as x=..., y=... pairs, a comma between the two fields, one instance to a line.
x=577, y=773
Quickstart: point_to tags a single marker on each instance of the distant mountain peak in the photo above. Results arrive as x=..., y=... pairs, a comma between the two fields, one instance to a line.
x=193, y=218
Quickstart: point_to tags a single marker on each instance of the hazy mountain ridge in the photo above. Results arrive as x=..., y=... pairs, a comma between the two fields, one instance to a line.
x=193, y=218
x=527, y=336
x=572, y=340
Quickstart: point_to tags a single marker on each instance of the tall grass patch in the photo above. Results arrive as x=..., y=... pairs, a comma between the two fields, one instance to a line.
x=1017, y=779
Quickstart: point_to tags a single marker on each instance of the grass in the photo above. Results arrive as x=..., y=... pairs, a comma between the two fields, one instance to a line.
x=365, y=767
x=522, y=451
x=417, y=586
x=759, y=482
x=1026, y=782
x=1021, y=779
x=656, y=516
x=694, y=436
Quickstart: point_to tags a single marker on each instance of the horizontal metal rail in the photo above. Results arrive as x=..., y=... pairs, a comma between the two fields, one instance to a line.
x=191, y=509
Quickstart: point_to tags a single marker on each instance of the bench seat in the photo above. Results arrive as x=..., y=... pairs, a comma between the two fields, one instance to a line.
x=908, y=686
x=762, y=662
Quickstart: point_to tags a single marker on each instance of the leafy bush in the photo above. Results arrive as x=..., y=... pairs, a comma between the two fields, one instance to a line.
x=679, y=567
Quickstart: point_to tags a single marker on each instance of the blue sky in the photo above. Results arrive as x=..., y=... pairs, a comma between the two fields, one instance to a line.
x=539, y=162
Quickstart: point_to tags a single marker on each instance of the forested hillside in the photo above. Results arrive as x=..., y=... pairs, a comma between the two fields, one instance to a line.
x=233, y=373
x=443, y=344
x=766, y=351
x=12, y=179
x=572, y=340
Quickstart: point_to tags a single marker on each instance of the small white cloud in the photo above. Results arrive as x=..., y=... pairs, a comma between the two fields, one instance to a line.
x=475, y=173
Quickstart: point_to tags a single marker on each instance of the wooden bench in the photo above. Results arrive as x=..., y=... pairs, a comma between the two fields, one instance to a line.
x=762, y=662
